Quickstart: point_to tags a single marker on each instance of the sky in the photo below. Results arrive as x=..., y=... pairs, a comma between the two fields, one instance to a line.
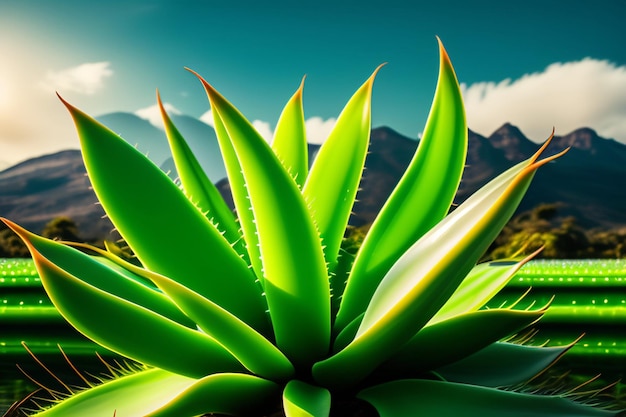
x=535, y=64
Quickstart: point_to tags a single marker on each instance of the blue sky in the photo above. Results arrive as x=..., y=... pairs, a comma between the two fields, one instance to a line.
x=533, y=63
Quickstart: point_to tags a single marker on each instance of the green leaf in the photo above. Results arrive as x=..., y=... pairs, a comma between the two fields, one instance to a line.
x=424, y=278
x=253, y=350
x=136, y=394
x=334, y=178
x=230, y=394
x=241, y=198
x=103, y=275
x=198, y=187
x=481, y=284
x=420, y=200
x=456, y=338
x=146, y=336
x=140, y=199
x=304, y=400
x=294, y=271
x=503, y=364
x=289, y=142
x=409, y=398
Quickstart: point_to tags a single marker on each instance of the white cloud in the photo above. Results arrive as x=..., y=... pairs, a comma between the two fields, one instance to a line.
x=87, y=78
x=590, y=93
x=207, y=117
x=318, y=129
x=264, y=129
x=153, y=114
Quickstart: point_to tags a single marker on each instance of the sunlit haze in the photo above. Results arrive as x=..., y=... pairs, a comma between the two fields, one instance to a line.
x=534, y=64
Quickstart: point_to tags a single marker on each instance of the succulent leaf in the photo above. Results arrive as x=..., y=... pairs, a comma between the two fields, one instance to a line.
x=304, y=400
x=289, y=142
x=94, y=272
x=140, y=200
x=426, y=276
x=503, y=364
x=223, y=394
x=136, y=394
x=481, y=284
x=420, y=200
x=198, y=187
x=334, y=178
x=294, y=271
x=456, y=338
x=146, y=336
x=408, y=398
x=253, y=350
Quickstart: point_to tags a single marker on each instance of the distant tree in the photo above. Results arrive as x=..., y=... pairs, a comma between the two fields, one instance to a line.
x=11, y=246
x=61, y=228
x=560, y=237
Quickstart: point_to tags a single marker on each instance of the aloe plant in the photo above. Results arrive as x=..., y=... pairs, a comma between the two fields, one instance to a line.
x=264, y=312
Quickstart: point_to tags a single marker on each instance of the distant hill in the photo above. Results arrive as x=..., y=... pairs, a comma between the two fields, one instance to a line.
x=587, y=180
x=153, y=142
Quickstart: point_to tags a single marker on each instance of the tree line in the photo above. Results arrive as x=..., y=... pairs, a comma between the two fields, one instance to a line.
x=560, y=237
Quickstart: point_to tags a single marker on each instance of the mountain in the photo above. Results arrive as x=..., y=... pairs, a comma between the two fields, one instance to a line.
x=153, y=142
x=37, y=190
x=587, y=181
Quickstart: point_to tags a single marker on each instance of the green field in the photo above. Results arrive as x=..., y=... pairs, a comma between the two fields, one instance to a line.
x=587, y=297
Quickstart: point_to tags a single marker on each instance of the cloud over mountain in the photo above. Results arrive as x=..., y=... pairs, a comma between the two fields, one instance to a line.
x=317, y=129
x=87, y=78
x=153, y=114
x=566, y=95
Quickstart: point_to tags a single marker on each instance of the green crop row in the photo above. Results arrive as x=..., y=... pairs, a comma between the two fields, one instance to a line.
x=585, y=296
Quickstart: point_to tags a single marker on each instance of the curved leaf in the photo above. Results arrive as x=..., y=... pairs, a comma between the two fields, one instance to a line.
x=96, y=273
x=294, y=271
x=503, y=364
x=289, y=142
x=456, y=338
x=133, y=395
x=198, y=187
x=334, y=178
x=426, y=275
x=420, y=200
x=140, y=199
x=230, y=394
x=481, y=284
x=408, y=398
x=241, y=199
x=304, y=400
x=146, y=336
x=253, y=350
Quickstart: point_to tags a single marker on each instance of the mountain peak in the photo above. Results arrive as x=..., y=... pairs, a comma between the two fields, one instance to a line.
x=584, y=138
x=512, y=141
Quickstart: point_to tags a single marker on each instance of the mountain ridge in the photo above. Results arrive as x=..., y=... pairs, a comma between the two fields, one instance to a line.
x=35, y=191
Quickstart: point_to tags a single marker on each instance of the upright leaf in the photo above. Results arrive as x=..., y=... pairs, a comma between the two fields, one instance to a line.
x=198, y=187
x=420, y=200
x=141, y=200
x=294, y=272
x=334, y=179
x=289, y=142
x=423, y=279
